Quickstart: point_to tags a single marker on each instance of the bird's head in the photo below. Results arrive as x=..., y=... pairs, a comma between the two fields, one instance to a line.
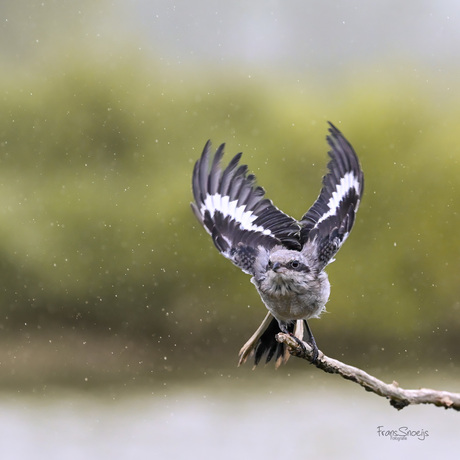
x=285, y=263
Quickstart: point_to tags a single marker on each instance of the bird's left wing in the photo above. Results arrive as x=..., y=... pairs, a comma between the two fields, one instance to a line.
x=327, y=224
x=235, y=213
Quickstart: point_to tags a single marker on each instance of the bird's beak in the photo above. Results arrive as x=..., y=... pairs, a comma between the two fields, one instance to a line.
x=276, y=266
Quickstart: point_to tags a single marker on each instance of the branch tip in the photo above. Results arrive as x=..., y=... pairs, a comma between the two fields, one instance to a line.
x=398, y=397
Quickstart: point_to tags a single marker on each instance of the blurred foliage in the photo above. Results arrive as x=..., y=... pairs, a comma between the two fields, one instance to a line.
x=97, y=235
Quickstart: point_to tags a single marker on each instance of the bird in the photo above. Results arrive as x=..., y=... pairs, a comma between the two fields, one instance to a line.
x=285, y=257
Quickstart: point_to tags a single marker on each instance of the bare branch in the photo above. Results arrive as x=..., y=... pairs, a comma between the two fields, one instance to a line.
x=398, y=397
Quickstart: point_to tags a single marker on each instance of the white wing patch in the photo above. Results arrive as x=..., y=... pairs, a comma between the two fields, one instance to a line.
x=348, y=182
x=216, y=202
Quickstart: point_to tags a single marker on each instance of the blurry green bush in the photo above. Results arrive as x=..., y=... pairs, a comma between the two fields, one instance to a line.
x=97, y=234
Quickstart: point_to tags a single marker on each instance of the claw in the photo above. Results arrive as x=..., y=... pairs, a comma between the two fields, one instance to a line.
x=315, y=351
x=312, y=342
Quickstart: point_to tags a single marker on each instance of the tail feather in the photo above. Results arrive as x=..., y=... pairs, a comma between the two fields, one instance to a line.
x=268, y=345
x=263, y=342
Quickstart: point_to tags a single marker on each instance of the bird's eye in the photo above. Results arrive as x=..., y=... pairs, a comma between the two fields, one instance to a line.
x=294, y=264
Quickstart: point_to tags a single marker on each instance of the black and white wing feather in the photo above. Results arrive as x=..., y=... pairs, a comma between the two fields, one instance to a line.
x=327, y=224
x=235, y=213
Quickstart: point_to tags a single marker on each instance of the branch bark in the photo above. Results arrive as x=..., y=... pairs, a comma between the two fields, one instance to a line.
x=398, y=397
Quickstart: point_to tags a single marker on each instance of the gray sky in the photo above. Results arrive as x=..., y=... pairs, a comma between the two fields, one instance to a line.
x=284, y=36
x=300, y=35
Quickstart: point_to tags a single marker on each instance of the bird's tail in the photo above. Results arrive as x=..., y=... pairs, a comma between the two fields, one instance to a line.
x=263, y=342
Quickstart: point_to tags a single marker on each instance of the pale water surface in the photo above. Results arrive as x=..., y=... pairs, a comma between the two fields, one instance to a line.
x=222, y=419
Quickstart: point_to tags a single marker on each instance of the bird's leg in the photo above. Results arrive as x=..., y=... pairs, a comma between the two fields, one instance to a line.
x=312, y=342
x=285, y=330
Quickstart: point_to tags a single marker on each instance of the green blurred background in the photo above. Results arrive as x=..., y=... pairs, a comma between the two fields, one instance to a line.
x=105, y=275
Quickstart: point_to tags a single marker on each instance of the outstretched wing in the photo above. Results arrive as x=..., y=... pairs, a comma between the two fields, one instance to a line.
x=327, y=224
x=235, y=213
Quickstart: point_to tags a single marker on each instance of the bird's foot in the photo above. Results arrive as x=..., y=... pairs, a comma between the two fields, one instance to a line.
x=312, y=343
x=314, y=353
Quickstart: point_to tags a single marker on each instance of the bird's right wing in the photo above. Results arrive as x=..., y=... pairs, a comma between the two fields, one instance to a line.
x=235, y=213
